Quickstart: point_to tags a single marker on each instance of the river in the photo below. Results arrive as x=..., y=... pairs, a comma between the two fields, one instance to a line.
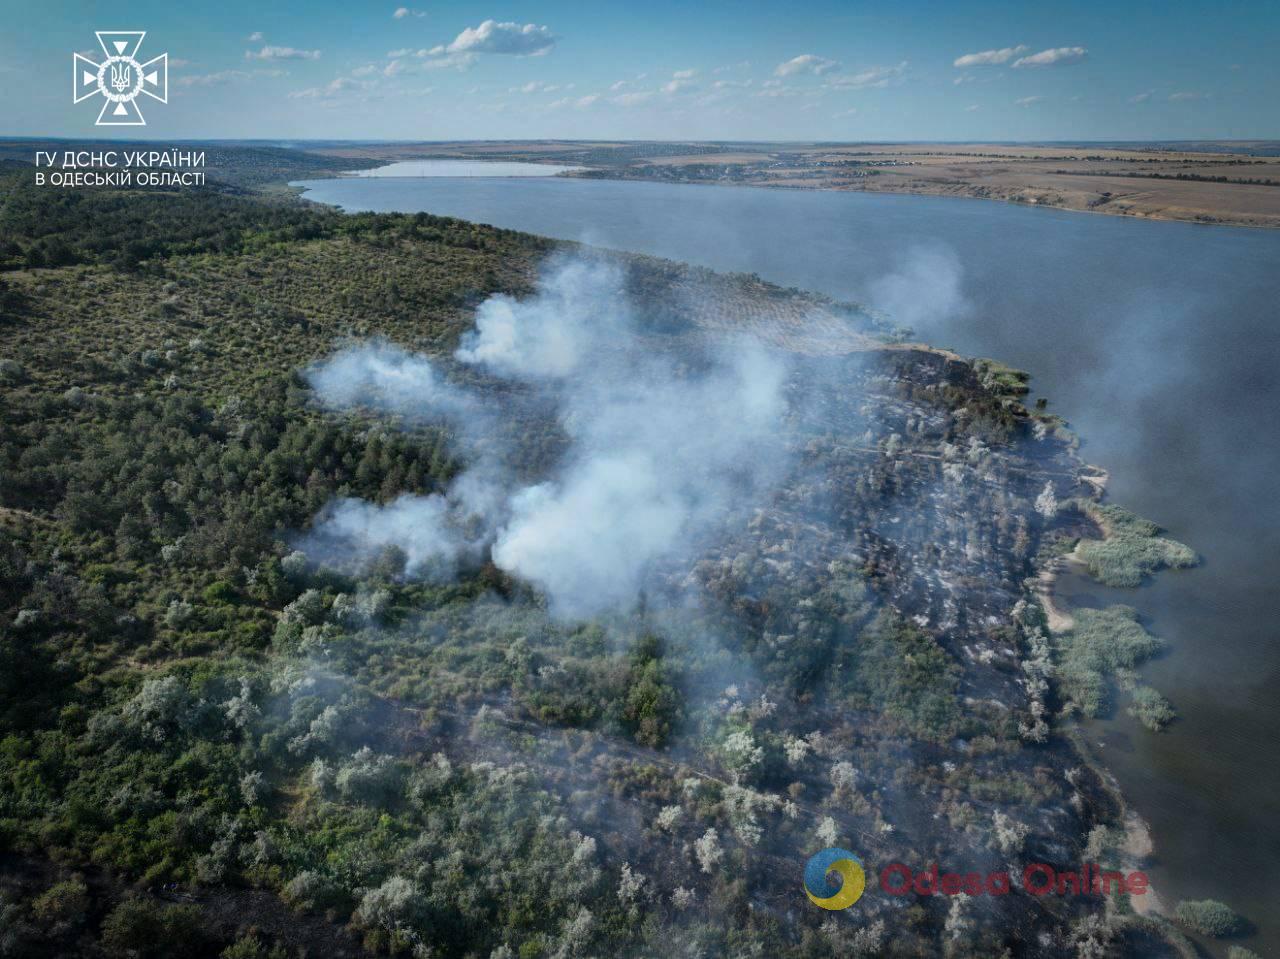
x=1158, y=341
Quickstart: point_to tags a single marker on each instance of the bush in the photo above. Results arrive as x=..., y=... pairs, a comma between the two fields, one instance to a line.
x=140, y=928
x=1207, y=917
x=65, y=902
x=1151, y=709
x=1132, y=550
x=1101, y=642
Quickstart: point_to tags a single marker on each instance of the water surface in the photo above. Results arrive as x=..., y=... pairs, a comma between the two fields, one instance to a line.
x=464, y=168
x=1159, y=341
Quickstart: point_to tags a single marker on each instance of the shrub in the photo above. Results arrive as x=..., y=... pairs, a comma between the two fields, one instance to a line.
x=1101, y=642
x=1207, y=917
x=141, y=928
x=65, y=902
x=1133, y=549
x=1151, y=709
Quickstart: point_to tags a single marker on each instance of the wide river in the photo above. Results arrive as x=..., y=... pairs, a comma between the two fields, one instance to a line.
x=1159, y=342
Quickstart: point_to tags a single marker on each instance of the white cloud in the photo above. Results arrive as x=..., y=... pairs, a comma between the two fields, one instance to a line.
x=972, y=108
x=439, y=58
x=989, y=57
x=255, y=37
x=537, y=86
x=679, y=85
x=782, y=90
x=214, y=79
x=870, y=78
x=402, y=52
x=684, y=74
x=282, y=53
x=632, y=99
x=581, y=103
x=845, y=114
x=1027, y=101
x=1182, y=96
x=805, y=63
x=335, y=88
x=1140, y=97
x=1057, y=57
x=403, y=12
x=527, y=40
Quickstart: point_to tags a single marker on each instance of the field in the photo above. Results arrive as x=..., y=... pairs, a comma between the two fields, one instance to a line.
x=1229, y=183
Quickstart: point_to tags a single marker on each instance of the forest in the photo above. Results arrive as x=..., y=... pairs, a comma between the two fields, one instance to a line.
x=214, y=742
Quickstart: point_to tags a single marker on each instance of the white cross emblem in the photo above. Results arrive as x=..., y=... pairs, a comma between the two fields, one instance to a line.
x=120, y=78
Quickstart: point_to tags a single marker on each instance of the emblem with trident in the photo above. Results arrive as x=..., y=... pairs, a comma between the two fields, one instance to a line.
x=120, y=78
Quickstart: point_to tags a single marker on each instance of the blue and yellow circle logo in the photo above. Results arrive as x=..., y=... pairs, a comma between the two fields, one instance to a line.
x=819, y=884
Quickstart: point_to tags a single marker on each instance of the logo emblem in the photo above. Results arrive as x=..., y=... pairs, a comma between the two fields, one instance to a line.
x=120, y=78
x=834, y=879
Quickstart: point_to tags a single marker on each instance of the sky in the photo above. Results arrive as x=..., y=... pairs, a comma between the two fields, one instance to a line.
x=342, y=69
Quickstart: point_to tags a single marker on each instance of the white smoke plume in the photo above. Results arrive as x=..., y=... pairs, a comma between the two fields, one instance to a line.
x=924, y=291
x=386, y=378
x=552, y=333
x=356, y=530
x=657, y=452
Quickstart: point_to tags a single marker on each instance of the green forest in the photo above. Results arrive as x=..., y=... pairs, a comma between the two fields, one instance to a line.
x=211, y=745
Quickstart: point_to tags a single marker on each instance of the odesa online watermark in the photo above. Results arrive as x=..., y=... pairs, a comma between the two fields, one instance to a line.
x=835, y=878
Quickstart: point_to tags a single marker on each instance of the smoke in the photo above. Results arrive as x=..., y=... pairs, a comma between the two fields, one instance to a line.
x=386, y=378
x=419, y=526
x=924, y=291
x=579, y=305
x=660, y=449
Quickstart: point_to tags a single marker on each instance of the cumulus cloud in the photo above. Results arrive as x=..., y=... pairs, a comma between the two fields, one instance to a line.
x=679, y=85
x=870, y=78
x=214, y=79
x=578, y=103
x=1027, y=101
x=1056, y=57
x=255, y=37
x=805, y=63
x=402, y=13
x=335, y=88
x=632, y=99
x=529, y=40
x=989, y=57
x=537, y=86
x=281, y=53
x=1140, y=97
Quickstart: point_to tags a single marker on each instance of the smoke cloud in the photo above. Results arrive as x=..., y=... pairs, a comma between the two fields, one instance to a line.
x=924, y=290
x=660, y=448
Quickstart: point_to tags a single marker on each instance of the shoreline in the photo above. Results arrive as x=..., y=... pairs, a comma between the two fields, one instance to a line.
x=1138, y=845
x=941, y=195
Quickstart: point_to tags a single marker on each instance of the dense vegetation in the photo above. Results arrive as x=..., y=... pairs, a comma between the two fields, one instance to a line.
x=202, y=730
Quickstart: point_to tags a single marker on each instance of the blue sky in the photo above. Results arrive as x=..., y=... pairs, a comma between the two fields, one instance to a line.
x=665, y=70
